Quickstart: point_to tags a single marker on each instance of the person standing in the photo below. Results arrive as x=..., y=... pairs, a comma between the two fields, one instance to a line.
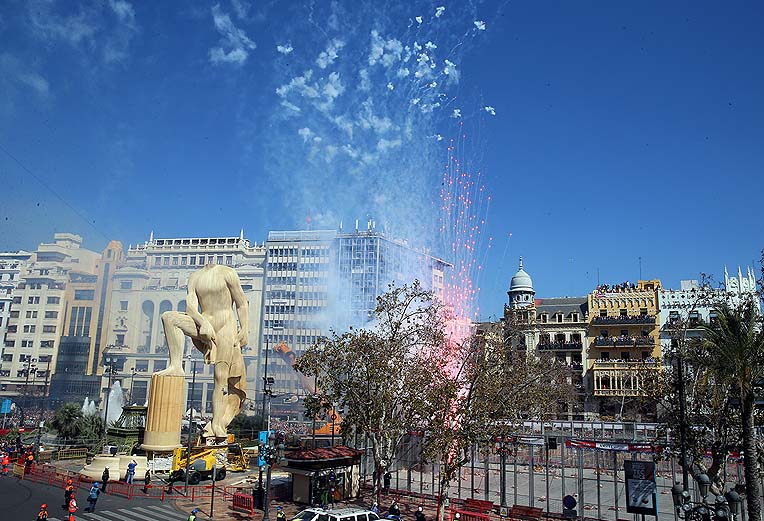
x=147, y=481
x=68, y=492
x=43, y=515
x=72, y=507
x=6, y=460
x=280, y=515
x=192, y=517
x=388, y=477
x=419, y=516
x=131, y=470
x=105, y=479
x=93, y=497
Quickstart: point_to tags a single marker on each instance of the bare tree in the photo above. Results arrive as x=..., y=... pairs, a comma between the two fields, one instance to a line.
x=494, y=388
x=382, y=377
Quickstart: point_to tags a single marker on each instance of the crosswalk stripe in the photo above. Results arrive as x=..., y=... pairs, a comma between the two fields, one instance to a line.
x=99, y=516
x=131, y=513
x=162, y=509
x=160, y=514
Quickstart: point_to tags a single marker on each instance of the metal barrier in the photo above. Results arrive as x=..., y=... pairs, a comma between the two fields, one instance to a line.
x=18, y=470
x=122, y=489
x=243, y=503
x=467, y=515
x=78, y=453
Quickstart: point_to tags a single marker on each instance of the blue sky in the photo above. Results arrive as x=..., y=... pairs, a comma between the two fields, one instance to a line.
x=619, y=131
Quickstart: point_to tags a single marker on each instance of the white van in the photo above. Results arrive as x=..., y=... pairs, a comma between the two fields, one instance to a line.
x=339, y=514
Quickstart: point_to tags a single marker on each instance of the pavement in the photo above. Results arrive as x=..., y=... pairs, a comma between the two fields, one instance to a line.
x=21, y=500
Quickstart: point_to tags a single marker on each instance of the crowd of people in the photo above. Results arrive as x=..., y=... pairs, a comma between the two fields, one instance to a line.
x=648, y=360
x=616, y=288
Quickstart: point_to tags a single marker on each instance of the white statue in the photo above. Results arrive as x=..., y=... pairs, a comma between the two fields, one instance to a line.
x=214, y=331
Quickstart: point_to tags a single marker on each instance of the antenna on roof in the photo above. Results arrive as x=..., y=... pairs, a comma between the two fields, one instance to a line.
x=640, y=267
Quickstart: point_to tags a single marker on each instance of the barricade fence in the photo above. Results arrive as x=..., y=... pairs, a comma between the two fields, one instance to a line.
x=76, y=453
x=534, y=476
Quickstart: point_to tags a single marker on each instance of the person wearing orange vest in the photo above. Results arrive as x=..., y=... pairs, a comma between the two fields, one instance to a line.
x=6, y=460
x=72, y=508
x=43, y=515
x=68, y=491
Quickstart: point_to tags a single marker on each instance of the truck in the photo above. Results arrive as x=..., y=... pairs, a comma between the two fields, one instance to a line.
x=224, y=457
x=200, y=465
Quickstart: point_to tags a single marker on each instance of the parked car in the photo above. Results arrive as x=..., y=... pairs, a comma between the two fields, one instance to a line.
x=339, y=514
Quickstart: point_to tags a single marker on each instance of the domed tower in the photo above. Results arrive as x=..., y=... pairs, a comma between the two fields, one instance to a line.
x=521, y=293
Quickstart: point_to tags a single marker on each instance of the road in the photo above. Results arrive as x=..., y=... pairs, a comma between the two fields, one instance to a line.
x=21, y=501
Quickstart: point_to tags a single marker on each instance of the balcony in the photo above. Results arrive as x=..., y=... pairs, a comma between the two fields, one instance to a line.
x=621, y=320
x=554, y=346
x=621, y=341
x=626, y=365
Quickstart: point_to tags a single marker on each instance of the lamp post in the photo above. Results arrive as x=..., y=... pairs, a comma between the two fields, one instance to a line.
x=42, y=409
x=108, y=363
x=274, y=452
x=132, y=377
x=725, y=507
x=191, y=420
x=30, y=364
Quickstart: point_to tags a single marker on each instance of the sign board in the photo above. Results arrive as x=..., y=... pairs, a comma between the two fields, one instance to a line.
x=641, y=495
x=503, y=512
x=5, y=408
x=262, y=437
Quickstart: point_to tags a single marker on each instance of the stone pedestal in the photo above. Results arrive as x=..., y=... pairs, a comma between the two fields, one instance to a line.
x=165, y=413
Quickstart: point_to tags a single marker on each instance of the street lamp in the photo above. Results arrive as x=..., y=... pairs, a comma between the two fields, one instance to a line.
x=108, y=363
x=725, y=506
x=191, y=419
x=30, y=364
x=132, y=377
x=273, y=453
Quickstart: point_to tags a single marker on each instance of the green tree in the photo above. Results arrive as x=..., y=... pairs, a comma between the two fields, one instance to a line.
x=381, y=378
x=734, y=348
x=65, y=420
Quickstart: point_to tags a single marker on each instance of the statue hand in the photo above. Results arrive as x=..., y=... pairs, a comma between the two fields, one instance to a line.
x=207, y=332
x=242, y=337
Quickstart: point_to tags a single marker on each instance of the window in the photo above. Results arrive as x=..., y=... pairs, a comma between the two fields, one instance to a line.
x=29, y=329
x=84, y=294
x=27, y=343
x=544, y=318
x=605, y=355
x=643, y=312
x=229, y=260
x=645, y=332
x=54, y=300
x=51, y=314
x=123, y=305
x=604, y=333
x=673, y=317
x=48, y=329
x=33, y=300
x=624, y=355
x=141, y=366
x=166, y=261
x=559, y=317
x=31, y=314
x=8, y=357
x=624, y=332
x=160, y=365
x=603, y=313
x=17, y=300
x=120, y=340
x=192, y=260
x=574, y=317
x=46, y=343
x=623, y=313
x=183, y=260
x=126, y=284
x=157, y=260
x=645, y=355
x=174, y=261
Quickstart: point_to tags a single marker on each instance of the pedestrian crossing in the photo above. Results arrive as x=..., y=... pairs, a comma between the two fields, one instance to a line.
x=144, y=513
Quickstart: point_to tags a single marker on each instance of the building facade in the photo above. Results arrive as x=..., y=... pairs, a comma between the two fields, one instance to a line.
x=87, y=300
x=684, y=312
x=153, y=279
x=556, y=326
x=34, y=327
x=318, y=280
x=624, y=345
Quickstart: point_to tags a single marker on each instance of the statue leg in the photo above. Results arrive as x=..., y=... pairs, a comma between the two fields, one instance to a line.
x=176, y=326
x=237, y=383
x=225, y=344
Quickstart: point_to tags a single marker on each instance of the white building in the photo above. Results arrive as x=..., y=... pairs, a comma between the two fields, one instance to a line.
x=11, y=266
x=686, y=310
x=153, y=279
x=35, y=319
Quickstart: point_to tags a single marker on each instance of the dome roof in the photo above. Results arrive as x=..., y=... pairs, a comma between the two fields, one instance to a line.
x=521, y=281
